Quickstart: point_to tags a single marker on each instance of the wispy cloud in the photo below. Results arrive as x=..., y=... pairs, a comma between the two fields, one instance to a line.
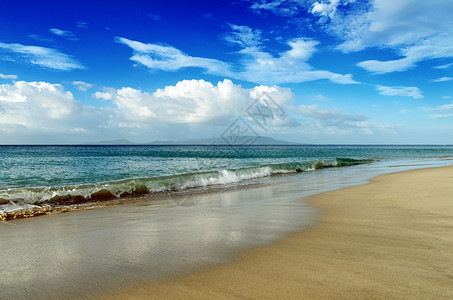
x=64, y=33
x=41, y=56
x=444, y=66
x=405, y=91
x=415, y=30
x=382, y=67
x=278, y=7
x=40, y=38
x=441, y=79
x=167, y=58
x=256, y=64
x=321, y=97
x=3, y=76
x=81, y=24
x=81, y=85
x=330, y=117
x=439, y=112
x=244, y=36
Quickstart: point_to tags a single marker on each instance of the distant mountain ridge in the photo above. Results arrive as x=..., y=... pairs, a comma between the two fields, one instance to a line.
x=112, y=142
x=260, y=140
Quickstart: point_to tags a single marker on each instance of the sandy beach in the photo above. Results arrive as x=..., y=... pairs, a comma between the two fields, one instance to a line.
x=391, y=238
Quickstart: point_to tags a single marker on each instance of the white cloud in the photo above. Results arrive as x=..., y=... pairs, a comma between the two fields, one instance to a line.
x=41, y=56
x=189, y=101
x=443, y=111
x=416, y=30
x=321, y=97
x=103, y=95
x=278, y=7
x=244, y=36
x=446, y=97
x=35, y=105
x=382, y=67
x=331, y=117
x=441, y=116
x=327, y=10
x=290, y=66
x=441, y=79
x=3, y=76
x=64, y=33
x=444, y=66
x=167, y=58
x=42, y=112
x=406, y=91
x=81, y=85
x=257, y=65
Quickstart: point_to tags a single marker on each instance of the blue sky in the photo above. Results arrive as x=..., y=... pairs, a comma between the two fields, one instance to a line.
x=342, y=71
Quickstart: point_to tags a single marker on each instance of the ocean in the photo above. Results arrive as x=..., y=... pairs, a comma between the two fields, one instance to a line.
x=37, y=180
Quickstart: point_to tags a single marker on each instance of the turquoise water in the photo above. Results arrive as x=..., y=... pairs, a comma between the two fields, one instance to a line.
x=67, y=175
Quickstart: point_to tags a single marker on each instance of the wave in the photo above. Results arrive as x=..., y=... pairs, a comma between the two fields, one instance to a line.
x=25, y=202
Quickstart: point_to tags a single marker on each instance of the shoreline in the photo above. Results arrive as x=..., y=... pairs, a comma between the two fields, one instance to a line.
x=390, y=238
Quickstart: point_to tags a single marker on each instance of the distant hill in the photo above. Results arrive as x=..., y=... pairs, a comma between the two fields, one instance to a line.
x=113, y=142
x=261, y=140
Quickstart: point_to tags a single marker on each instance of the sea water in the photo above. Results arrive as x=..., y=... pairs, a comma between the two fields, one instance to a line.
x=43, y=179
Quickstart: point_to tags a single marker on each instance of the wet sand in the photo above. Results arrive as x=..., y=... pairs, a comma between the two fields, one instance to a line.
x=391, y=238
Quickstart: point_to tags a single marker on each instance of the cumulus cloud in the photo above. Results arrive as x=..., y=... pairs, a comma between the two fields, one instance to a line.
x=416, y=30
x=41, y=56
x=189, y=101
x=81, y=85
x=257, y=65
x=327, y=10
x=406, y=91
x=103, y=95
x=11, y=76
x=35, y=105
x=30, y=111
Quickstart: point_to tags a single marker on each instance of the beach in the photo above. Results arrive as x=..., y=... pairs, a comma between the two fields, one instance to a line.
x=328, y=233
x=389, y=239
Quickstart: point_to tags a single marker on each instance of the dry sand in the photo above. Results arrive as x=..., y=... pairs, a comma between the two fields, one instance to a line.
x=392, y=239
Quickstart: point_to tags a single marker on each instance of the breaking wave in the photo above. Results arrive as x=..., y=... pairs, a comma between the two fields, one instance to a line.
x=26, y=202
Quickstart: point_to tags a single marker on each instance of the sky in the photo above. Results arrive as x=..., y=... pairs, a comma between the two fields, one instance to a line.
x=314, y=72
